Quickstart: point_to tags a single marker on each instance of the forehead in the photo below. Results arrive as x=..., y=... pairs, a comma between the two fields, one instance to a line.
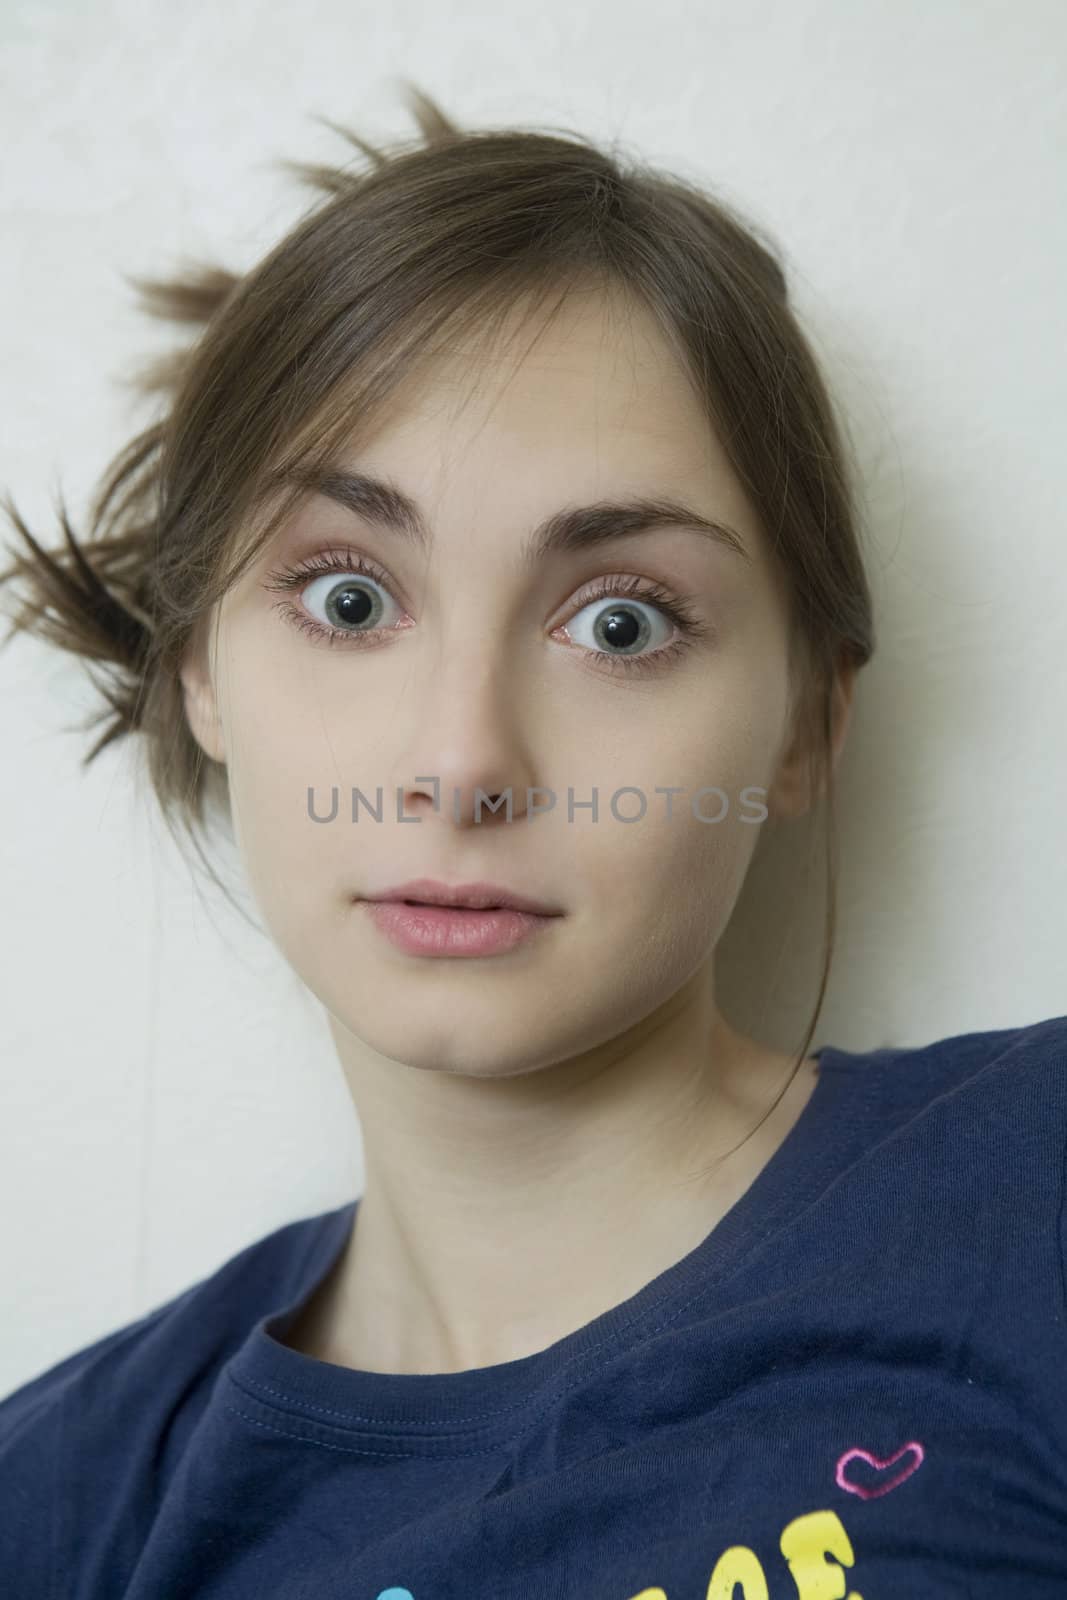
x=587, y=399
x=593, y=353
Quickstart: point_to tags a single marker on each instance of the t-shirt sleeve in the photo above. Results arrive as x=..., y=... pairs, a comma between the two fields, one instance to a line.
x=39, y=1421
x=87, y=1445
x=29, y=1497
x=1063, y=1233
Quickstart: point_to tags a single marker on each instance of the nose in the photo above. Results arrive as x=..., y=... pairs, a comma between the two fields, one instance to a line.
x=463, y=752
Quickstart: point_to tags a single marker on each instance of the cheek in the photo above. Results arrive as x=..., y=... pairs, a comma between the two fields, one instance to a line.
x=660, y=892
x=276, y=751
x=670, y=882
x=722, y=812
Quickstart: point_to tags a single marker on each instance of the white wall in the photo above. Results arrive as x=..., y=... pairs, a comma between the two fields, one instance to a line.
x=168, y=1091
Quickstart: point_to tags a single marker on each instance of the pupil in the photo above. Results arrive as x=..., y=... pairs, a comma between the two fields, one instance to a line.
x=621, y=628
x=352, y=605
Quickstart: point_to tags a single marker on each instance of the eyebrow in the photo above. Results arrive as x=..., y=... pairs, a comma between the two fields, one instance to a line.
x=566, y=532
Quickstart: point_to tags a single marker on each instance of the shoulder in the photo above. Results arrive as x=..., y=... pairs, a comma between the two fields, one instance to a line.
x=1022, y=1067
x=130, y=1399
x=973, y=1119
x=39, y=1422
x=211, y=1315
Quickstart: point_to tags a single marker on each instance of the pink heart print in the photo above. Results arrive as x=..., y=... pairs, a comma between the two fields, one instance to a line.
x=872, y=1490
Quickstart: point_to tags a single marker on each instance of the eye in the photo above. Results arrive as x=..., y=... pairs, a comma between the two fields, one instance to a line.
x=631, y=624
x=349, y=603
x=343, y=598
x=622, y=627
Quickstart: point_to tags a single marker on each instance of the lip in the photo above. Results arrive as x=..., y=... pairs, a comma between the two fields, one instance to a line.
x=467, y=919
x=469, y=896
x=429, y=930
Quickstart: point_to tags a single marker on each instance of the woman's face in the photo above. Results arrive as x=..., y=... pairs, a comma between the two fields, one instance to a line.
x=463, y=665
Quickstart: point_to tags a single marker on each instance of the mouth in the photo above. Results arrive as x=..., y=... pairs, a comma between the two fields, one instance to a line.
x=457, y=911
x=433, y=919
x=427, y=892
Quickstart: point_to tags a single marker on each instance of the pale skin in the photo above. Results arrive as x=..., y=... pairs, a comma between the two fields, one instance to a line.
x=542, y=1129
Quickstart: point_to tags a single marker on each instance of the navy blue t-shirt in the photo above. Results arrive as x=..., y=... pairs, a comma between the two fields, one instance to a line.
x=856, y=1385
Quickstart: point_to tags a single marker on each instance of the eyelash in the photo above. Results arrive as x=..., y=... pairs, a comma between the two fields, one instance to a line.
x=691, y=627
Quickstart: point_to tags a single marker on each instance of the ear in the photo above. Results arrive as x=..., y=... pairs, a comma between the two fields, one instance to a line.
x=794, y=790
x=201, y=705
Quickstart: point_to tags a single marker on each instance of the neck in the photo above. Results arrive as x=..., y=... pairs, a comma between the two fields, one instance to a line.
x=500, y=1214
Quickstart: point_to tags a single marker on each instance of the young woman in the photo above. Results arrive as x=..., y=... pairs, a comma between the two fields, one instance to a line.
x=494, y=575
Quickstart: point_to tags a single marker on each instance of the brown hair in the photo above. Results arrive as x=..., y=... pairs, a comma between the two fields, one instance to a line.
x=442, y=234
